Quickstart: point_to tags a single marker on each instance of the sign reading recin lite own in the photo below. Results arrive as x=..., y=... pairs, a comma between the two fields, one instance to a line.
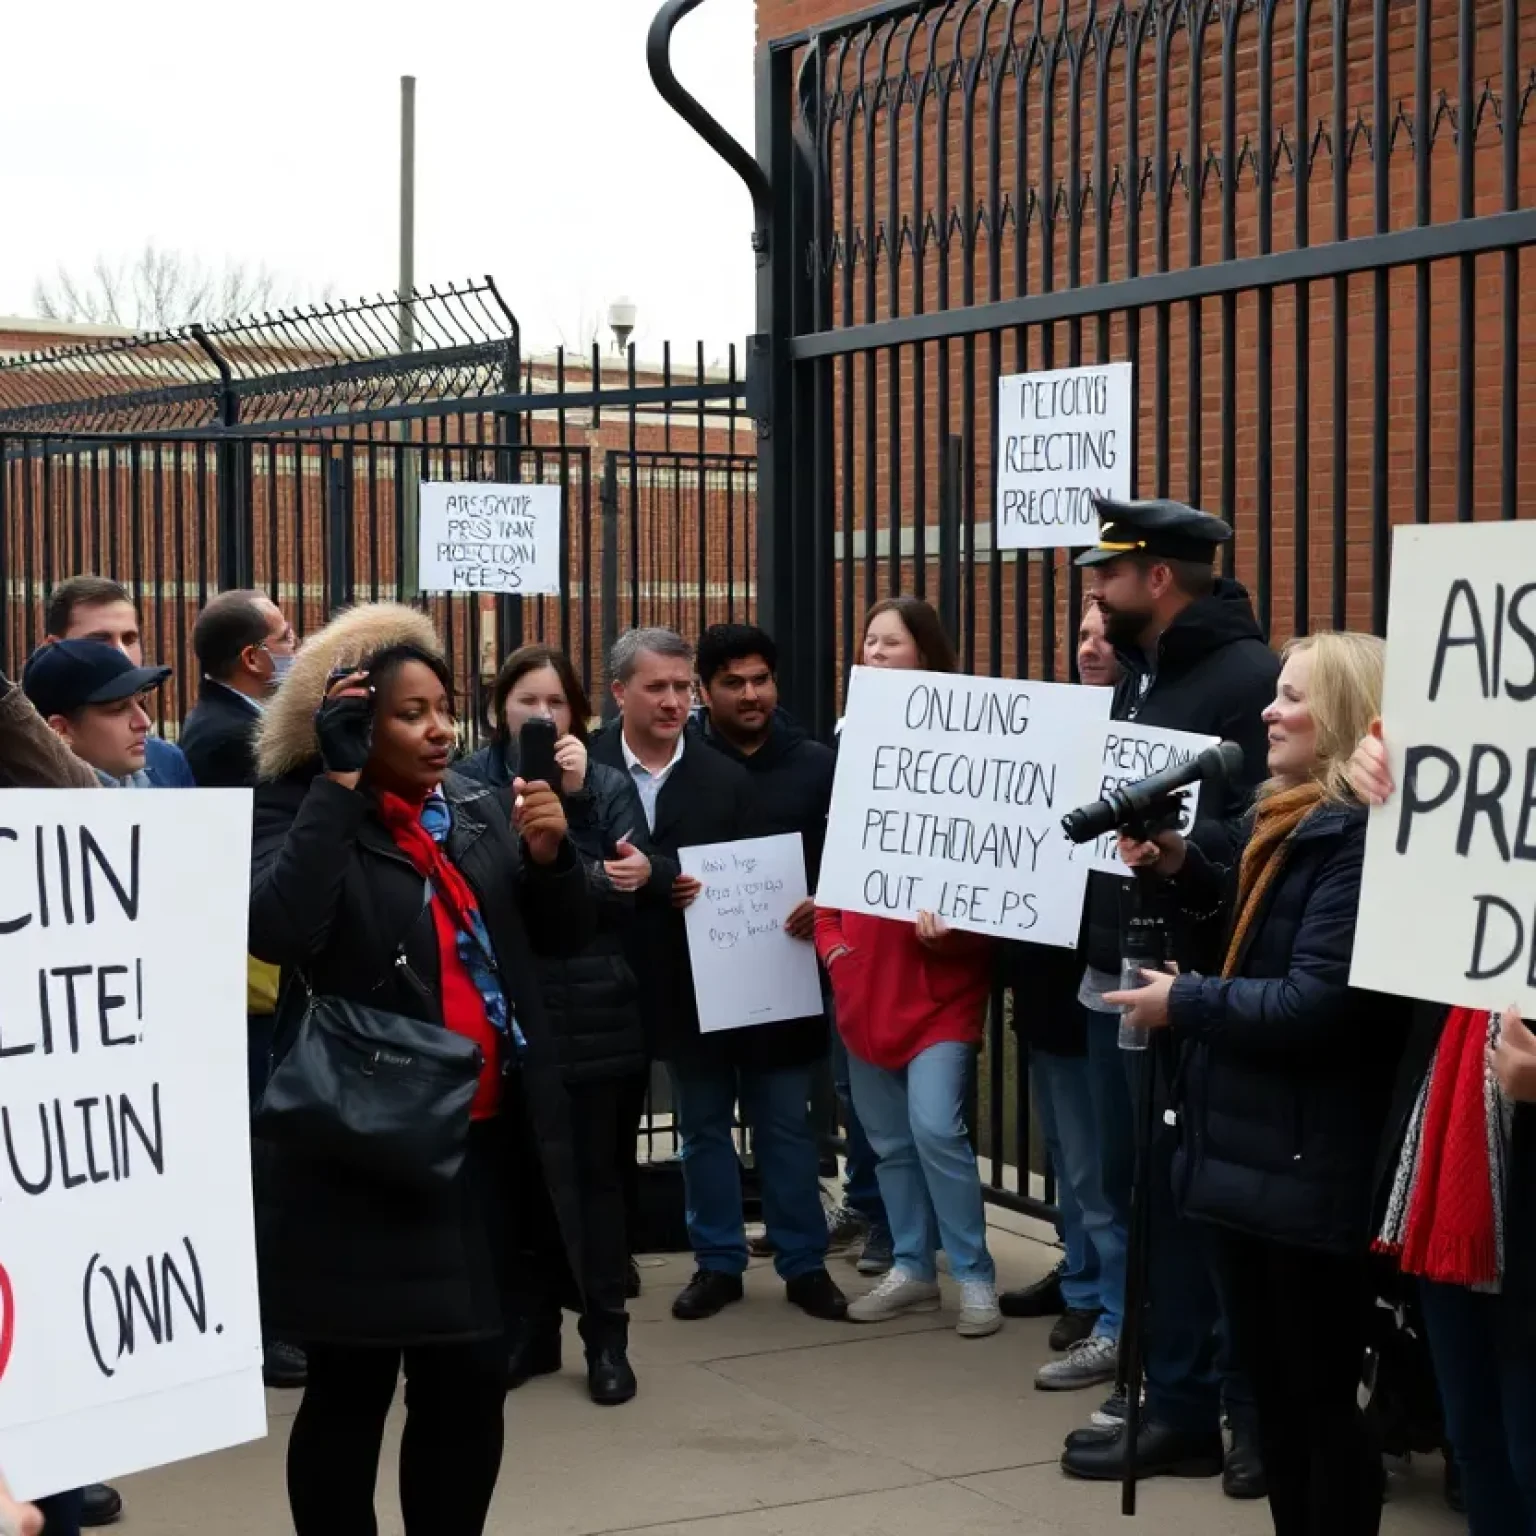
x=1448, y=904
x=1063, y=437
x=478, y=537
x=130, y=1333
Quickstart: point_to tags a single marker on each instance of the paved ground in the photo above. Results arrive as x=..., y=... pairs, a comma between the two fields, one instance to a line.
x=763, y=1422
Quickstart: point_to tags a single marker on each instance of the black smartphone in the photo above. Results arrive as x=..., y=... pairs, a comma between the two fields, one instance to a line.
x=536, y=752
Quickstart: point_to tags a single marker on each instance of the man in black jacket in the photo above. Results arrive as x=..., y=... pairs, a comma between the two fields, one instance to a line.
x=1192, y=658
x=792, y=776
x=244, y=647
x=693, y=795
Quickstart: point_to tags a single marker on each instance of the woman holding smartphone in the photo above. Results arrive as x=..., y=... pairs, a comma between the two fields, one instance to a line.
x=539, y=705
x=911, y=998
x=1285, y=1076
x=386, y=883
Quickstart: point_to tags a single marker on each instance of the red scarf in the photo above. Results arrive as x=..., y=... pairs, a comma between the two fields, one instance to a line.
x=452, y=902
x=1450, y=1233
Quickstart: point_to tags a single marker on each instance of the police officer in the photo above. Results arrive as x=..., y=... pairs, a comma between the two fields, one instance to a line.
x=1192, y=658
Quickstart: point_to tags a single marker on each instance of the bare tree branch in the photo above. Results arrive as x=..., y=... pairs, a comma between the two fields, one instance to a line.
x=159, y=291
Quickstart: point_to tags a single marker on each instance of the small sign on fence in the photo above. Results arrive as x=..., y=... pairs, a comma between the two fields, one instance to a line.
x=479, y=537
x=1063, y=437
x=130, y=1334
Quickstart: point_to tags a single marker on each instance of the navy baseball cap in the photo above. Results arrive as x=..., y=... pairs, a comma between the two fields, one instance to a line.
x=67, y=675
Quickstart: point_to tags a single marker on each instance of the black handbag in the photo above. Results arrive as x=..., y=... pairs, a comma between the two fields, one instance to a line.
x=378, y=1092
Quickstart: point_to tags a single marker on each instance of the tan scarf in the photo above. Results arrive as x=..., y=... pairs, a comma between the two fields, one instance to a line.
x=1276, y=818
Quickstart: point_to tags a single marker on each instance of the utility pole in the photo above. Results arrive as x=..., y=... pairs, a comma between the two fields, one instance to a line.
x=410, y=464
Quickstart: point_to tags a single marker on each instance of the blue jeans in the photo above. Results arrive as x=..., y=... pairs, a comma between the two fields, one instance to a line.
x=61, y=1513
x=861, y=1182
x=774, y=1105
x=1093, y=1232
x=1487, y=1374
x=928, y=1176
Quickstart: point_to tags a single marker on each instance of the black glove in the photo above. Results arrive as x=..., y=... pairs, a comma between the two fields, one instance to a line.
x=345, y=729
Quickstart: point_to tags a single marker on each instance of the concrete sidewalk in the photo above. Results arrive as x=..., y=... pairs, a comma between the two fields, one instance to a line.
x=764, y=1422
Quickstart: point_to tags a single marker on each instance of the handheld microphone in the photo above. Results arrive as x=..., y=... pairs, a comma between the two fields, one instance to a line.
x=1135, y=802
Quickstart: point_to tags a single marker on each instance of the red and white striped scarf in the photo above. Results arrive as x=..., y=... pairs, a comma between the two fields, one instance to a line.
x=1445, y=1215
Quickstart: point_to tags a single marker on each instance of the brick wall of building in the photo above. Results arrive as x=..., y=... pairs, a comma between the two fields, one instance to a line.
x=1004, y=230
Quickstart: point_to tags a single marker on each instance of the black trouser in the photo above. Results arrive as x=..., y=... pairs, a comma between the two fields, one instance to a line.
x=1300, y=1322
x=450, y=1452
x=605, y=1119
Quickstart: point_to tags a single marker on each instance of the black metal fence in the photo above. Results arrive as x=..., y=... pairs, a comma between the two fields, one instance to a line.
x=1306, y=224
x=286, y=454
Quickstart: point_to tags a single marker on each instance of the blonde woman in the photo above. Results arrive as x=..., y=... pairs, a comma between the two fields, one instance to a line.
x=1287, y=1074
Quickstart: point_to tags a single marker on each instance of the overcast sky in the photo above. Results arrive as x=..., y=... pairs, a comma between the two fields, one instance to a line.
x=268, y=133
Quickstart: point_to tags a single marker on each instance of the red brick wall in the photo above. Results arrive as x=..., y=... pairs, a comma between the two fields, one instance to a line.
x=866, y=218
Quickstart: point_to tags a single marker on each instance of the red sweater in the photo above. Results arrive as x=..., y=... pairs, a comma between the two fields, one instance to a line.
x=895, y=996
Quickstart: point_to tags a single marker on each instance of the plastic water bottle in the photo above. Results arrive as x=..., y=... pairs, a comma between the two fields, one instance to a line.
x=1143, y=947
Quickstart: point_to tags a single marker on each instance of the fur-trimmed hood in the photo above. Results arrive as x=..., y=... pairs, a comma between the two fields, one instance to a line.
x=286, y=739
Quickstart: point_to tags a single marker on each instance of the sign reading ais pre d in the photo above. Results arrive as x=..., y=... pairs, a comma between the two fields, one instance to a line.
x=1448, y=904
x=130, y=1333
x=1063, y=437
x=477, y=537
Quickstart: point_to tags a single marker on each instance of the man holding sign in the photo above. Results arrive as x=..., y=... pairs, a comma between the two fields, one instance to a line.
x=693, y=796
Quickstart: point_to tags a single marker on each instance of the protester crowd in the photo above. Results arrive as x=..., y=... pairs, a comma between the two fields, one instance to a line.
x=1312, y=1148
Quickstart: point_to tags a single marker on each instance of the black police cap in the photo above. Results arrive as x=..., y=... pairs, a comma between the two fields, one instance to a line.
x=1166, y=530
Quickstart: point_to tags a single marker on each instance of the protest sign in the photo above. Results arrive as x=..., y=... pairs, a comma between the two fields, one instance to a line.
x=1063, y=437
x=949, y=797
x=477, y=537
x=746, y=968
x=130, y=1333
x=1448, y=902
x=1131, y=753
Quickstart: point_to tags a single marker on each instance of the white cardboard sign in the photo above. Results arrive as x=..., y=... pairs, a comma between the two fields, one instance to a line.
x=1448, y=900
x=130, y=1333
x=1129, y=753
x=1063, y=437
x=746, y=968
x=478, y=537
x=949, y=797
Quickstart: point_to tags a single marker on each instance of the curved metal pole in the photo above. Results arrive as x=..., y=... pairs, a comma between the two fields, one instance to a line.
x=658, y=56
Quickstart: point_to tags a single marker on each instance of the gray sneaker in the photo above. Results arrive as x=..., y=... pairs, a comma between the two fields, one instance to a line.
x=898, y=1293
x=877, y=1255
x=1088, y=1364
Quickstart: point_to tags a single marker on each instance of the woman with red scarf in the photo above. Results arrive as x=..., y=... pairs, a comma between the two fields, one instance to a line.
x=1461, y=1217
x=380, y=877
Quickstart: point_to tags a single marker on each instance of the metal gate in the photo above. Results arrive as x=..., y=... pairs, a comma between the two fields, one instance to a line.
x=1307, y=225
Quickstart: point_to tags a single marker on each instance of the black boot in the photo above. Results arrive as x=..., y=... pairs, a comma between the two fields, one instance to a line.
x=283, y=1366
x=610, y=1377
x=533, y=1349
x=1042, y=1299
x=1160, y=1452
x=1243, y=1475
x=632, y=1281
x=707, y=1293
x=100, y=1505
x=1454, y=1497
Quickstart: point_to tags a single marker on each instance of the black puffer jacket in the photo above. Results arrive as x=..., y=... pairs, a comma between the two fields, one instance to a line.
x=592, y=998
x=1286, y=1070
x=1215, y=676
x=792, y=776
